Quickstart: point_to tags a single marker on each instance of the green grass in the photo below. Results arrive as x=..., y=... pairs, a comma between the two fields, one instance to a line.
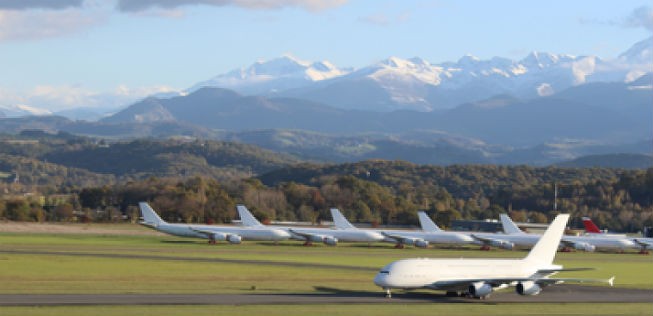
x=363, y=309
x=94, y=273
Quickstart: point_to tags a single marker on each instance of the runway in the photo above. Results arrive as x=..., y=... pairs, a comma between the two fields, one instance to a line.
x=553, y=294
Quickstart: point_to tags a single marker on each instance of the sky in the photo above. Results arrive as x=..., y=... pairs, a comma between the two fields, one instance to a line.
x=61, y=54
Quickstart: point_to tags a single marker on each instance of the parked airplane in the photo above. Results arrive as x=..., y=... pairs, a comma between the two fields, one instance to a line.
x=642, y=243
x=585, y=243
x=484, y=239
x=592, y=230
x=232, y=234
x=327, y=236
x=420, y=239
x=480, y=277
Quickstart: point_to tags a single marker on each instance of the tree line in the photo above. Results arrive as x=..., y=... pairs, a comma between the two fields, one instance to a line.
x=376, y=192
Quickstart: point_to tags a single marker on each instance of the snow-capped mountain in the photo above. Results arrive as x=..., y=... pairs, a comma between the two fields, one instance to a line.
x=417, y=84
x=268, y=77
x=19, y=110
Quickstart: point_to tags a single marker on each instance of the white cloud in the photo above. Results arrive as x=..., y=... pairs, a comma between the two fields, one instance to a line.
x=640, y=17
x=544, y=90
x=57, y=98
x=39, y=24
x=39, y=4
x=309, y=5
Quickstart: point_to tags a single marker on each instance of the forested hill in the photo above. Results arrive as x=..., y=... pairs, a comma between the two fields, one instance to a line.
x=463, y=181
x=141, y=158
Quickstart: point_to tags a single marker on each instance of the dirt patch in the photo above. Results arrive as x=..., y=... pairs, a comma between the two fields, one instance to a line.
x=74, y=228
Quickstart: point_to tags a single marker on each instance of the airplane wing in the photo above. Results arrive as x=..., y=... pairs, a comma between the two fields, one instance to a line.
x=217, y=235
x=206, y=232
x=496, y=242
x=642, y=243
x=463, y=285
x=585, y=246
x=406, y=240
x=309, y=237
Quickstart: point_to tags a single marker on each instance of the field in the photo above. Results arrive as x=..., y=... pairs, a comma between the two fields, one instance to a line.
x=129, y=259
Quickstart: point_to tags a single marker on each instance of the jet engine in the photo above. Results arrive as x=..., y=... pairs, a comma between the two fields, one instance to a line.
x=329, y=240
x=417, y=242
x=480, y=289
x=421, y=243
x=502, y=244
x=527, y=288
x=234, y=239
x=584, y=246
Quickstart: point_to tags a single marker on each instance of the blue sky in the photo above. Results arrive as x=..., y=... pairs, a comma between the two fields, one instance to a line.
x=68, y=53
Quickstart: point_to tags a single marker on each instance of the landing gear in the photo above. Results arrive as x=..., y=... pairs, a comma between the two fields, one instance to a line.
x=643, y=252
x=308, y=243
x=399, y=246
x=565, y=249
x=485, y=248
x=387, y=293
x=212, y=241
x=452, y=294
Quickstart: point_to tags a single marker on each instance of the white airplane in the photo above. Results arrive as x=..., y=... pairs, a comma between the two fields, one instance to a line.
x=585, y=243
x=420, y=239
x=641, y=243
x=479, y=277
x=232, y=234
x=484, y=239
x=327, y=236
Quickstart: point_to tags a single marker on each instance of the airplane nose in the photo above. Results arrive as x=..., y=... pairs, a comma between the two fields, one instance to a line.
x=380, y=280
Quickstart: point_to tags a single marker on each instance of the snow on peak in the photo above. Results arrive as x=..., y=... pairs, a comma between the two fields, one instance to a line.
x=394, y=69
x=468, y=59
x=264, y=76
x=18, y=110
x=640, y=53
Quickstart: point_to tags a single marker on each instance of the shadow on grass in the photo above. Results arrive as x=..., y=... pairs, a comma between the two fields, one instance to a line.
x=397, y=294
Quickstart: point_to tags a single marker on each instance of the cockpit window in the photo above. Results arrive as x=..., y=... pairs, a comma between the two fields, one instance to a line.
x=384, y=272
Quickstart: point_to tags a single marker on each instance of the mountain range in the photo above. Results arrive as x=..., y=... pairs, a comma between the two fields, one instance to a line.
x=416, y=84
x=542, y=109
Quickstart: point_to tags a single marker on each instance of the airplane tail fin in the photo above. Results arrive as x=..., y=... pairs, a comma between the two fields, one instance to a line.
x=246, y=217
x=590, y=227
x=509, y=227
x=427, y=224
x=149, y=215
x=545, y=249
x=340, y=221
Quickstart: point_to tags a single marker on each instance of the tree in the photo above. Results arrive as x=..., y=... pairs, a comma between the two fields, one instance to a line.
x=17, y=210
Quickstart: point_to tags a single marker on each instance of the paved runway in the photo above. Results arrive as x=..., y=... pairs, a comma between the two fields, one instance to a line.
x=553, y=294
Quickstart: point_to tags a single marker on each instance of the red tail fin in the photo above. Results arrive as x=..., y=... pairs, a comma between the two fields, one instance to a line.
x=590, y=227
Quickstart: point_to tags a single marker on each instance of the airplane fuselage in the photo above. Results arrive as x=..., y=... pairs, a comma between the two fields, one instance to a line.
x=190, y=230
x=347, y=235
x=436, y=273
x=432, y=237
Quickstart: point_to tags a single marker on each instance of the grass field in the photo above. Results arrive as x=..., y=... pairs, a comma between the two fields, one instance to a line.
x=84, y=263
x=363, y=309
